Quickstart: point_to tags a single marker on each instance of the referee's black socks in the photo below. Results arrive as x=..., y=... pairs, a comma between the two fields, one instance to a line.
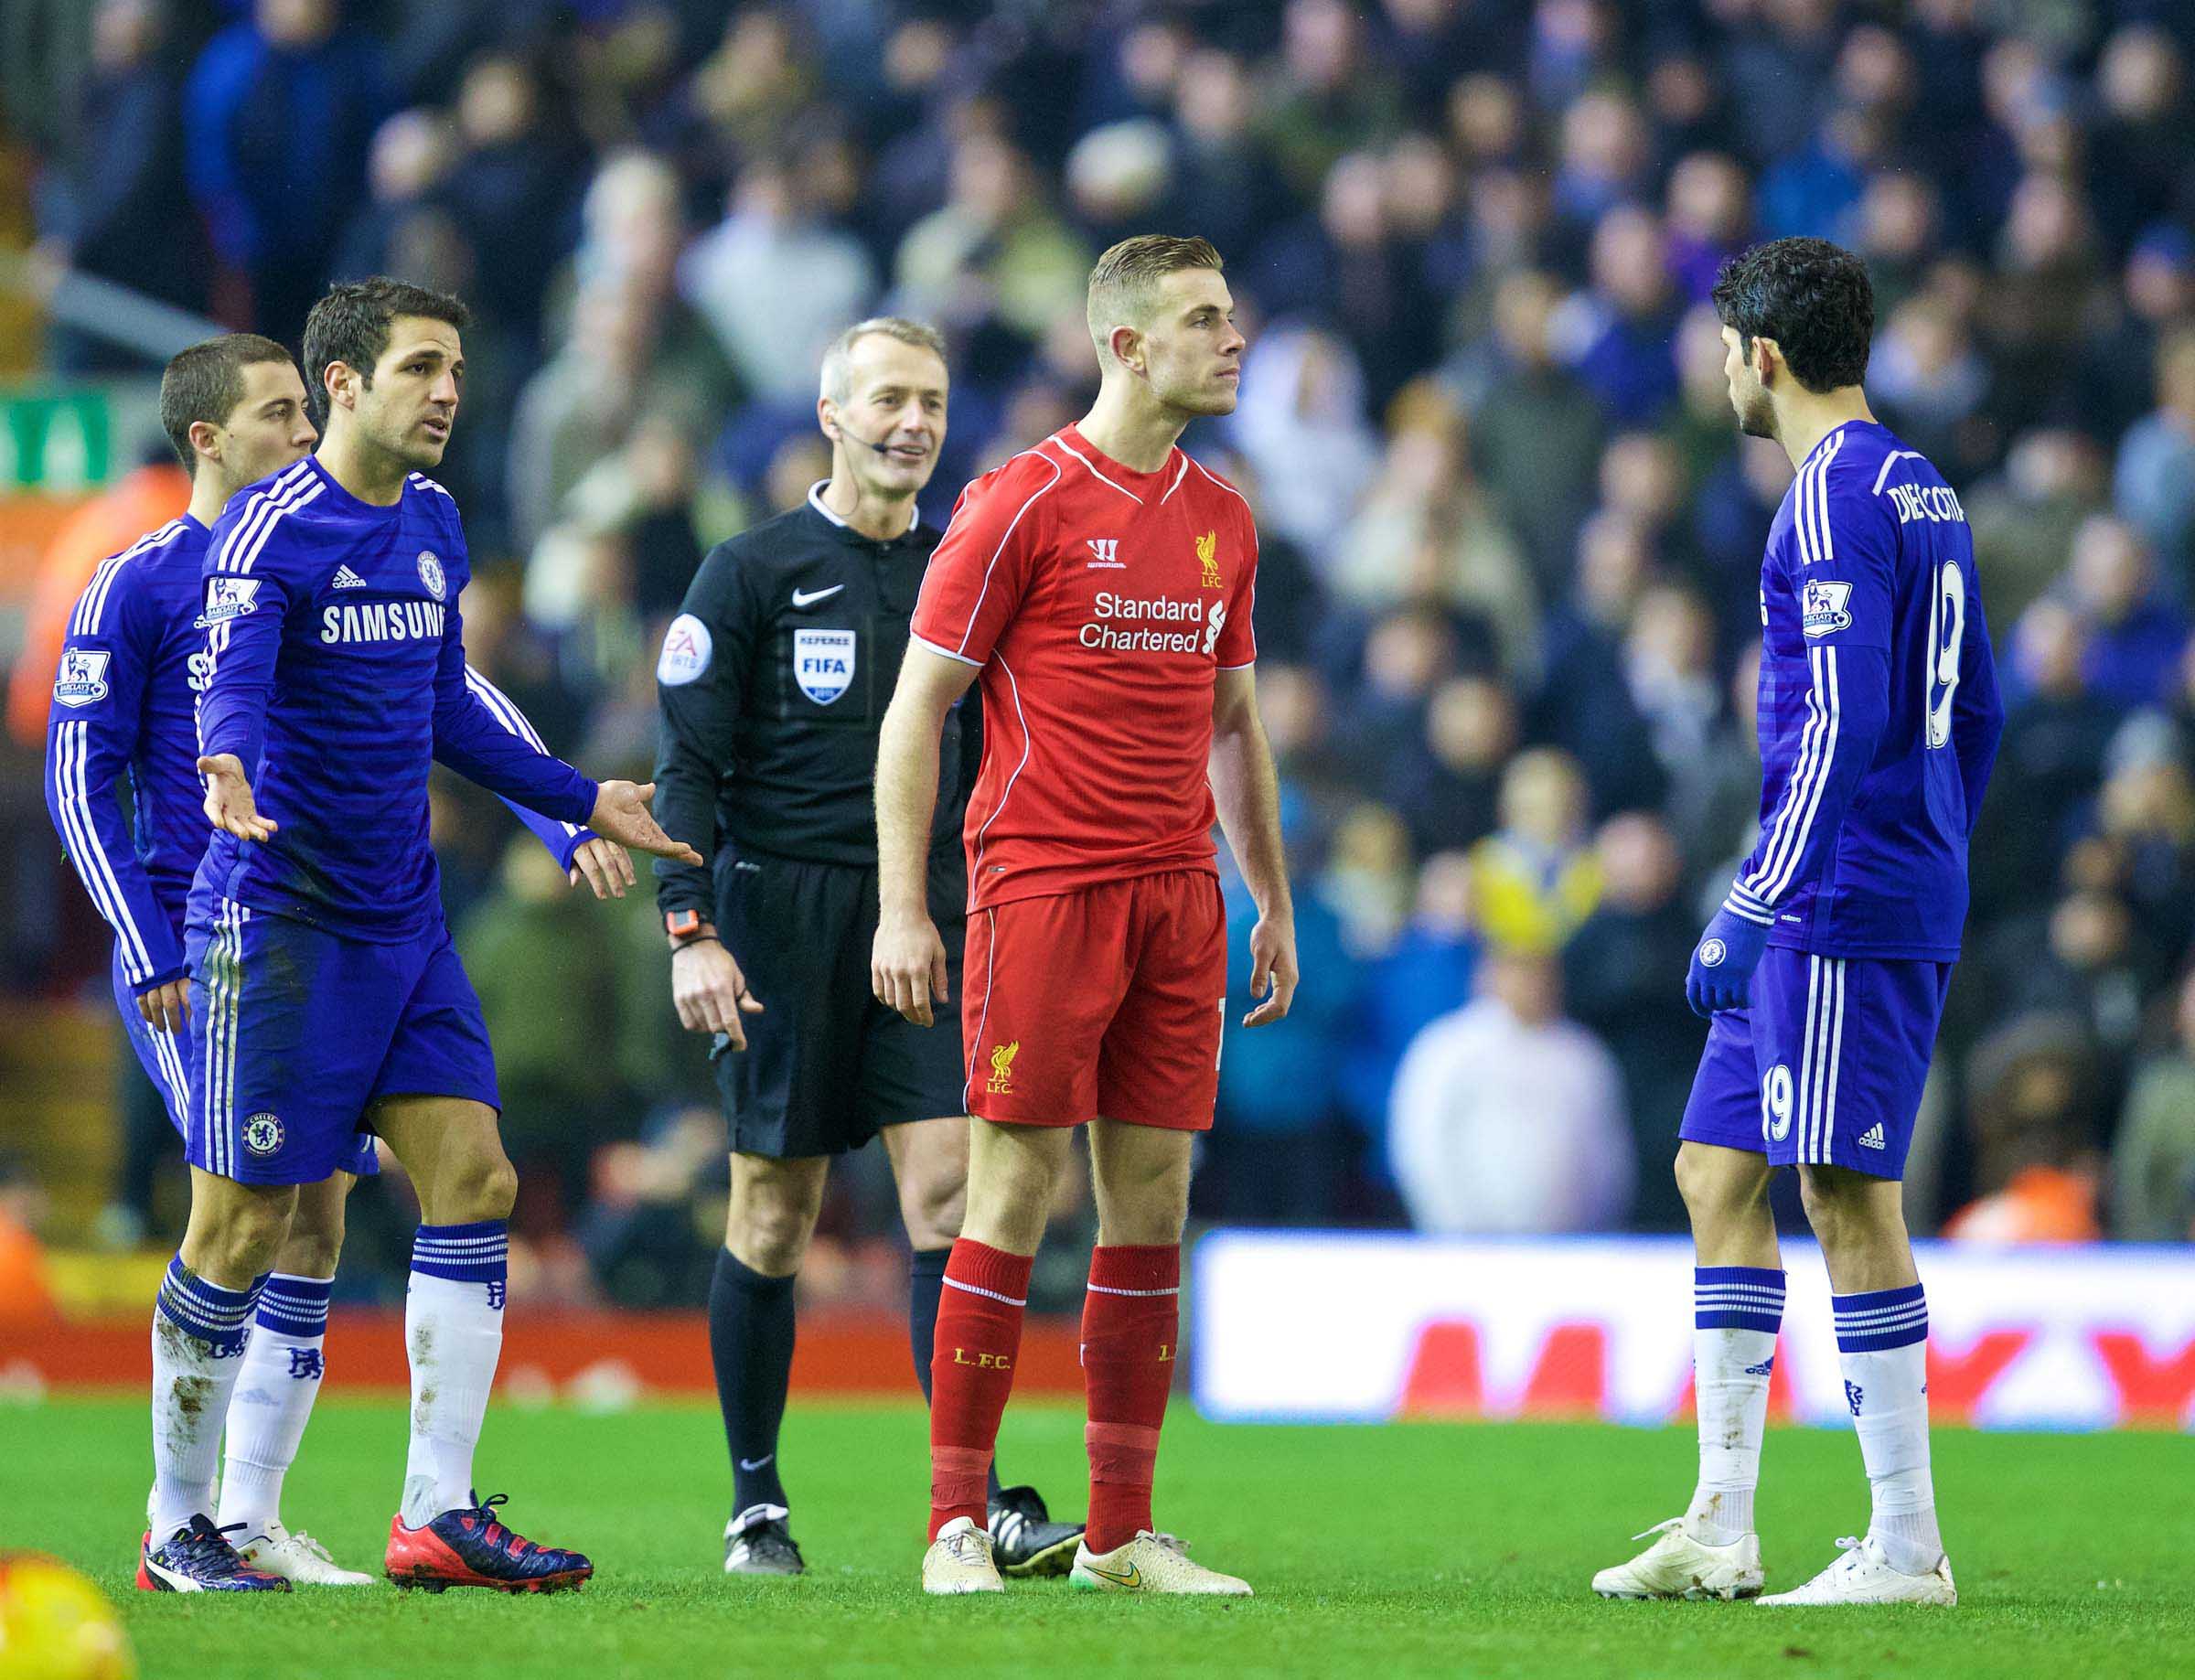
x=926, y=1283
x=751, y=1341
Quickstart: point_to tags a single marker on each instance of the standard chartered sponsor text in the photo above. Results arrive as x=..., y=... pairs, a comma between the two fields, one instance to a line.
x=1143, y=612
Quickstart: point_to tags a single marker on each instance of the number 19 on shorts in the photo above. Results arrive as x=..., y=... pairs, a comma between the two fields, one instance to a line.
x=1775, y=1104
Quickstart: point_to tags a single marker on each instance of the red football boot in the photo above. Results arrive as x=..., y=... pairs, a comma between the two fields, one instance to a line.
x=470, y=1547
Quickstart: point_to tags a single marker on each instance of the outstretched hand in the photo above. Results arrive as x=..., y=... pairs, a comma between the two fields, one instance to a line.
x=229, y=803
x=621, y=814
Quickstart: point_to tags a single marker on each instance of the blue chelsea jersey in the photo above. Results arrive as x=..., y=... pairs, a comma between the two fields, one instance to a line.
x=1879, y=707
x=336, y=674
x=122, y=703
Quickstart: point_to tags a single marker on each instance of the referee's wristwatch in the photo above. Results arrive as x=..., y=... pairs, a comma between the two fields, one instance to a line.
x=686, y=928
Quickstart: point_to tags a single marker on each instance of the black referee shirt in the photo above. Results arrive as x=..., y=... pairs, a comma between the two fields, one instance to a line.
x=773, y=682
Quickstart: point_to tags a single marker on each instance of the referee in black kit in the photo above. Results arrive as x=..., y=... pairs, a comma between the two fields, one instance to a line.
x=773, y=682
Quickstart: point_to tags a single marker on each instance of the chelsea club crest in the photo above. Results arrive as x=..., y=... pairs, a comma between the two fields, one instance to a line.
x=429, y=574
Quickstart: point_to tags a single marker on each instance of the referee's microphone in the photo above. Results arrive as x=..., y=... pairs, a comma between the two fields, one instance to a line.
x=882, y=449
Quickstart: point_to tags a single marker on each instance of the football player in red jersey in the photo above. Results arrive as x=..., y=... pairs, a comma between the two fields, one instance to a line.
x=1100, y=586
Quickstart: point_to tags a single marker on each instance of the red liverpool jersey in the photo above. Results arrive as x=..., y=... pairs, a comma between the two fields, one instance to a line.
x=1098, y=602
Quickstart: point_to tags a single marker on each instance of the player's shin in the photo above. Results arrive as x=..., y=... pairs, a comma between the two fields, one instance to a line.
x=1737, y=1313
x=1882, y=1349
x=280, y=1378
x=199, y=1333
x=453, y=1335
x=979, y=1338
x=1130, y=1321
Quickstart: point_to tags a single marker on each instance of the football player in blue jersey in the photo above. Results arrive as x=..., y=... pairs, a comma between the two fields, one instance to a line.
x=329, y=991
x=234, y=409
x=1823, y=972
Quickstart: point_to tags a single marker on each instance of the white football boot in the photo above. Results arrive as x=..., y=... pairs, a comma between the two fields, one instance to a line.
x=1864, y=1576
x=1150, y=1563
x=1677, y=1566
x=960, y=1560
x=297, y=1556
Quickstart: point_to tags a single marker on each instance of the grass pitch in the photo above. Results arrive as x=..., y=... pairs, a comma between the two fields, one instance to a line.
x=1421, y=1549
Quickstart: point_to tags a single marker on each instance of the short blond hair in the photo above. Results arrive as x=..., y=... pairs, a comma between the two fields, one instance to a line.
x=838, y=374
x=1124, y=282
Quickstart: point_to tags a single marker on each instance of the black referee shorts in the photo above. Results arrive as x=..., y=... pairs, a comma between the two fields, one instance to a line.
x=826, y=1065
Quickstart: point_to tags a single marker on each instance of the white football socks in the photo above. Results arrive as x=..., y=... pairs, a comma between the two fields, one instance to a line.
x=200, y=1331
x=280, y=1377
x=454, y=1332
x=1736, y=1313
x=1882, y=1348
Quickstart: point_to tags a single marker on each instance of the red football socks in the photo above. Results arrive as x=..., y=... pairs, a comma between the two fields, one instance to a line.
x=1130, y=1335
x=971, y=1373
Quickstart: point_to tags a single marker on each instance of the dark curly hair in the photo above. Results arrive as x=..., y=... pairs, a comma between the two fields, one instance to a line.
x=350, y=324
x=1812, y=297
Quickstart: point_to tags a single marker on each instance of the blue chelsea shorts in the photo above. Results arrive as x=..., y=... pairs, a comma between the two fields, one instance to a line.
x=165, y=1058
x=296, y=1032
x=1825, y=1065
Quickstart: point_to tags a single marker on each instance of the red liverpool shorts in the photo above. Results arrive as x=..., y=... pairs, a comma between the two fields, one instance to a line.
x=1105, y=1000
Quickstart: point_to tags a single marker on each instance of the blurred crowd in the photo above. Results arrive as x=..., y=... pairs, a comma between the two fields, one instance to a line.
x=1508, y=607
